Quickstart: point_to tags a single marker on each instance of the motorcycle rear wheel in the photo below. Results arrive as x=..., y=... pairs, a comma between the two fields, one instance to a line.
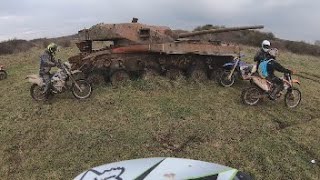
x=293, y=98
x=224, y=81
x=85, y=87
x=3, y=75
x=37, y=93
x=251, y=96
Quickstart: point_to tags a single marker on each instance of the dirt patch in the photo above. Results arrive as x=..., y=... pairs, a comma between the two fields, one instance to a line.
x=168, y=143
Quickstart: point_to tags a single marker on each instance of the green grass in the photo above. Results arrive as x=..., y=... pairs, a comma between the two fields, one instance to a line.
x=61, y=139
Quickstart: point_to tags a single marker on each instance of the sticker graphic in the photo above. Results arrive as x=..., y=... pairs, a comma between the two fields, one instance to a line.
x=110, y=174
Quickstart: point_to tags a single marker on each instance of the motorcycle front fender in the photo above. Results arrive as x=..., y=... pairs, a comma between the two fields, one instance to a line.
x=228, y=66
x=296, y=81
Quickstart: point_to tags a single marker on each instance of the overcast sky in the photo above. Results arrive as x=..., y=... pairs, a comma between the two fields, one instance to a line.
x=287, y=19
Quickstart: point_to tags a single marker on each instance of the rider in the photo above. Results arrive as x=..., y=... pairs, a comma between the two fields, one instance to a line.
x=47, y=61
x=262, y=54
x=271, y=66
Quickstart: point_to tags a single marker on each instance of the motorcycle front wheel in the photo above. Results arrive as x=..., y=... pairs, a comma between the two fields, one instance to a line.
x=85, y=90
x=251, y=96
x=225, y=81
x=37, y=93
x=293, y=98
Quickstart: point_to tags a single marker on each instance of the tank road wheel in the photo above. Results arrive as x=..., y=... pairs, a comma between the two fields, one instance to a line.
x=119, y=77
x=149, y=74
x=216, y=74
x=198, y=75
x=95, y=79
x=174, y=74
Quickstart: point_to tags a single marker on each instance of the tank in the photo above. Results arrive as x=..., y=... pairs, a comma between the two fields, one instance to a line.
x=145, y=51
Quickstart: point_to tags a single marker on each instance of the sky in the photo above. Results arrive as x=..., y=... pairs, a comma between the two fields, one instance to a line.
x=287, y=19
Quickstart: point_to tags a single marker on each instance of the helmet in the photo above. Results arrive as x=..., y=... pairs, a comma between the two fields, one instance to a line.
x=265, y=45
x=273, y=52
x=52, y=48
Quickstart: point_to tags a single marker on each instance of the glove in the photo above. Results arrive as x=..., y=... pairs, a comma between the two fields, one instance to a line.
x=58, y=63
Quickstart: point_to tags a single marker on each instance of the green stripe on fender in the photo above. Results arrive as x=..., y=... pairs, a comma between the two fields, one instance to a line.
x=223, y=175
x=230, y=174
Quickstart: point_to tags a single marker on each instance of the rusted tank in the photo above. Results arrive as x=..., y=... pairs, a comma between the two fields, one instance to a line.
x=145, y=51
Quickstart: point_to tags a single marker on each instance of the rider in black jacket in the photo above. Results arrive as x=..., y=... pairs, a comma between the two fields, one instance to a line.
x=272, y=66
x=47, y=61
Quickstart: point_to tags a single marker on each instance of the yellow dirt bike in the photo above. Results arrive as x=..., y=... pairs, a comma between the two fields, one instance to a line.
x=261, y=88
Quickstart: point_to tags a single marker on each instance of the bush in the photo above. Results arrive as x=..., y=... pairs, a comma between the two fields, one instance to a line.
x=254, y=38
x=63, y=42
x=15, y=46
x=41, y=42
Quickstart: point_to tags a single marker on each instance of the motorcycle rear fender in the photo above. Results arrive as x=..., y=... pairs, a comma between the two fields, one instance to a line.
x=35, y=79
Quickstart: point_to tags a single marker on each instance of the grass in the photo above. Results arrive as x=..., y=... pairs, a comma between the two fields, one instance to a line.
x=61, y=139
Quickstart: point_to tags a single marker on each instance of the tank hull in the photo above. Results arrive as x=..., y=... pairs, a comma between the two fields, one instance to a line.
x=182, y=56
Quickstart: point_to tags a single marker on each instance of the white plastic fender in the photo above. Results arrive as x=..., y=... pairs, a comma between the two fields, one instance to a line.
x=159, y=168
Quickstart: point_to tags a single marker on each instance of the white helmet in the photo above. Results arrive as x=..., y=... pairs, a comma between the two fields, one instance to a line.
x=265, y=45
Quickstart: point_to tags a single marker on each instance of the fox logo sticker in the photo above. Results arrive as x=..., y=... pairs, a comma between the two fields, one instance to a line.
x=110, y=174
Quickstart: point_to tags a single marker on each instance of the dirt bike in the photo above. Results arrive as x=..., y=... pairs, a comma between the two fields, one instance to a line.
x=237, y=69
x=262, y=88
x=64, y=79
x=3, y=73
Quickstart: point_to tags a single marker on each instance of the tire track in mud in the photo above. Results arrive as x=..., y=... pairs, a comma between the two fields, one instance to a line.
x=310, y=74
x=283, y=125
x=305, y=149
x=168, y=142
x=305, y=75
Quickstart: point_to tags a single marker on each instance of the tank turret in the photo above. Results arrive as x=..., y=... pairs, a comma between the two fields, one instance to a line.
x=136, y=33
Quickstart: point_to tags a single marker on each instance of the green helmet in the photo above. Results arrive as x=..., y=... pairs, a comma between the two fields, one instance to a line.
x=52, y=48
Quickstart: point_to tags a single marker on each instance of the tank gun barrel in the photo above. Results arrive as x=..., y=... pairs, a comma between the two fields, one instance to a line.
x=213, y=31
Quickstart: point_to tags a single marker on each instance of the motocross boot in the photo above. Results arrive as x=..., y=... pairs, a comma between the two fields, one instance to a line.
x=275, y=91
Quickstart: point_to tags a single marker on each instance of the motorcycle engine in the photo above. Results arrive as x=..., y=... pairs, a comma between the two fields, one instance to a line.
x=58, y=80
